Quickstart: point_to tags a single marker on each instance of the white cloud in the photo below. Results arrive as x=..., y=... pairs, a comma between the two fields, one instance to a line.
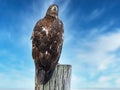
x=94, y=14
x=78, y=81
x=103, y=79
x=17, y=78
x=6, y=35
x=118, y=81
x=98, y=53
x=64, y=7
x=99, y=48
x=109, y=42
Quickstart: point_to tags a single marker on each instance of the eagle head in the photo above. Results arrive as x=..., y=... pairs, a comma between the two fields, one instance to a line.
x=52, y=11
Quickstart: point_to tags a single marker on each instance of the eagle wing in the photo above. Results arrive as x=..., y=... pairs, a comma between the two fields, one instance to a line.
x=57, y=41
x=46, y=48
x=36, y=43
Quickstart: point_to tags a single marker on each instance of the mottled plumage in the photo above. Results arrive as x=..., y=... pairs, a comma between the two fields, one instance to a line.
x=47, y=40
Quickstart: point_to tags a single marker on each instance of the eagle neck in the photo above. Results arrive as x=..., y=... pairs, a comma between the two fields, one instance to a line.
x=50, y=17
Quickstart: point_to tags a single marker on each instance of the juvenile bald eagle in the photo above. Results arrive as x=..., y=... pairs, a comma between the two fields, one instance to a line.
x=47, y=41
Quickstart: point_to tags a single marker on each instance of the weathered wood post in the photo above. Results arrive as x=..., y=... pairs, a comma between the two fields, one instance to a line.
x=59, y=81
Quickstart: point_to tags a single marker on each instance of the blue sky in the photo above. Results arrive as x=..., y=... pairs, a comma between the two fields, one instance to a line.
x=91, y=41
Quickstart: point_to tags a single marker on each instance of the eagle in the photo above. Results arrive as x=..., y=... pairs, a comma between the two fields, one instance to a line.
x=47, y=41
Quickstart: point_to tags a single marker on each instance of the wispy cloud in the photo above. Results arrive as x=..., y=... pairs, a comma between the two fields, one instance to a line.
x=100, y=46
x=6, y=35
x=97, y=55
x=17, y=79
x=96, y=13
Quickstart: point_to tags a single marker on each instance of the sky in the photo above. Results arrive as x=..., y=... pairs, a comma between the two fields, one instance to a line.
x=91, y=41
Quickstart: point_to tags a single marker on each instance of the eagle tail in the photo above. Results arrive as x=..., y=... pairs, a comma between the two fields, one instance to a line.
x=40, y=75
x=48, y=75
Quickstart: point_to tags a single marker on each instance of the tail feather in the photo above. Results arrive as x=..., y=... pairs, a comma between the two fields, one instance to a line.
x=40, y=75
x=48, y=75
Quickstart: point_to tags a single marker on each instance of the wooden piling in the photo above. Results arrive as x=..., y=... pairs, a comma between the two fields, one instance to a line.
x=60, y=80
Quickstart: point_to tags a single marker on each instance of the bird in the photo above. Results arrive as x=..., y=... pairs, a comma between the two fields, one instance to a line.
x=47, y=42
